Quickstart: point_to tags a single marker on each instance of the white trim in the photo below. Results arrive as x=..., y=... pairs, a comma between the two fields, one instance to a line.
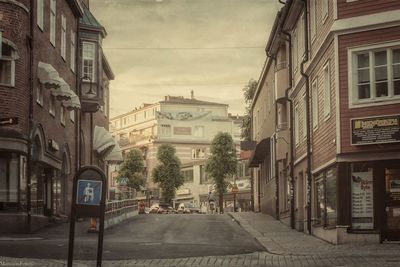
x=300, y=159
x=337, y=96
x=323, y=166
x=40, y=14
x=335, y=10
x=53, y=22
x=73, y=51
x=314, y=104
x=327, y=90
x=325, y=15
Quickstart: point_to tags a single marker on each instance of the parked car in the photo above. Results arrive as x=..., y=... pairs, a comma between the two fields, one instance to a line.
x=188, y=207
x=166, y=208
x=154, y=208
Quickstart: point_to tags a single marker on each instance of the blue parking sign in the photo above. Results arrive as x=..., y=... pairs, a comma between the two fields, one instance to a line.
x=89, y=192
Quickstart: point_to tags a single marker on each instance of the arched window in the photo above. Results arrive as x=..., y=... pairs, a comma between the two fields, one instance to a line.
x=7, y=65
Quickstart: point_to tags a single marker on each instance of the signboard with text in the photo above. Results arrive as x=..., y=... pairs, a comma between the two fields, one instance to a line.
x=362, y=200
x=375, y=130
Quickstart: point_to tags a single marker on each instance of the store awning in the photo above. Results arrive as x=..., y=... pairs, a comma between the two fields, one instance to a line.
x=48, y=76
x=72, y=103
x=115, y=155
x=103, y=142
x=261, y=151
x=63, y=92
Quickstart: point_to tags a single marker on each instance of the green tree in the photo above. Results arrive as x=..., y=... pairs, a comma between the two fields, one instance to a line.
x=168, y=172
x=221, y=163
x=248, y=91
x=132, y=168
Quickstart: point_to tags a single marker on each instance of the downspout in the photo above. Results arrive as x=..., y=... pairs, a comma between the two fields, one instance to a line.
x=308, y=120
x=78, y=145
x=30, y=118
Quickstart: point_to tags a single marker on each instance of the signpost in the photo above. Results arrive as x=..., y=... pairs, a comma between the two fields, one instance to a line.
x=88, y=200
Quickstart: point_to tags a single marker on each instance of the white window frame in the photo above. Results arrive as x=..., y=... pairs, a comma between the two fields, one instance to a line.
x=12, y=59
x=295, y=51
x=39, y=94
x=40, y=14
x=314, y=101
x=304, y=117
x=324, y=10
x=52, y=106
x=62, y=115
x=73, y=47
x=63, y=36
x=165, y=129
x=296, y=124
x=313, y=20
x=327, y=90
x=53, y=16
x=92, y=47
x=198, y=153
x=354, y=102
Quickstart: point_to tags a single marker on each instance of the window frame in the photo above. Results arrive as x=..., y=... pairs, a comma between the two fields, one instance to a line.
x=324, y=10
x=296, y=124
x=72, y=115
x=314, y=103
x=327, y=90
x=53, y=23
x=39, y=94
x=40, y=14
x=196, y=155
x=196, y=129
x=94, y=63
x=73, y=48
x=12, y=59
x=354, y=102
x=63, y=37
x=62, y=115
x=52, y=106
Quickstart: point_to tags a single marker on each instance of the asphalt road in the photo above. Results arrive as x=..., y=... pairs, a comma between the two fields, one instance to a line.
x=149, y=236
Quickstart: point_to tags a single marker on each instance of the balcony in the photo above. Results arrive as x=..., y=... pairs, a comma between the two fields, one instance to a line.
x=91, y=97
x=281, y=79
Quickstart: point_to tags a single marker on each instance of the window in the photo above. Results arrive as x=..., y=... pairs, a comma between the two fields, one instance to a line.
x=327, y=91
x=325, y=198
x=39, y=94
x=314, y=99
x=9, y=171
x=106, y=102
x=165, y=129
x=7, y=65
x=376, y=75
x=72, y=115
x=72, y=61
x=62, y=115
x=187, y=176
x=53, y=22
x=52, y=108
x=199, y=131
x=296, y=124
x=39, y=14
x=198, y=153
x=304, y=132
x=145, y=114
x=313, y=16
x=63, y=36
x=88, y=57
x=325, y=7
x=295, y=51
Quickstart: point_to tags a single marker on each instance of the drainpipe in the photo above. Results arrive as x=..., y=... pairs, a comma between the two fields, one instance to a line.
x=308, y=134
x=78, y=116
x=30, y=119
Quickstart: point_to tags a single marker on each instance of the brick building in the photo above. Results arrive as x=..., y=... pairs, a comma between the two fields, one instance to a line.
x=43, y=58
x=338, y=178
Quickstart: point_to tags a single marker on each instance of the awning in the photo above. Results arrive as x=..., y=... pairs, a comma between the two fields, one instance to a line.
x=103, y=142
x=48, y=76
x=72, y=103
x=63, y=92
x=261, y=151
x=115, y=155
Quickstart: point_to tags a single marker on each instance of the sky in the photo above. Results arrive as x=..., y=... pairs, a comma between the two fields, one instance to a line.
x=171, y=47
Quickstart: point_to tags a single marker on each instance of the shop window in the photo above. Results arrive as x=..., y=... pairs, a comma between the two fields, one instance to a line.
x=7, y=65
x=326, y=198
x=9, y=171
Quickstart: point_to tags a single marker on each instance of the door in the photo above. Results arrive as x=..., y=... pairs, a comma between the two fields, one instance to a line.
x=392, y=204
x=48, y=186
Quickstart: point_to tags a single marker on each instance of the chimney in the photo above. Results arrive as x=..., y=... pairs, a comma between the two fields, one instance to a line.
x=192, y=94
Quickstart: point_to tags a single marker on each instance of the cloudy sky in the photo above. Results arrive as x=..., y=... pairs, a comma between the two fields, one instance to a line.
x=170, y=47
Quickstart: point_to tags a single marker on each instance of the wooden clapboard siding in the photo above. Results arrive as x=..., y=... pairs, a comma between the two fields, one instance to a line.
x=365, y=7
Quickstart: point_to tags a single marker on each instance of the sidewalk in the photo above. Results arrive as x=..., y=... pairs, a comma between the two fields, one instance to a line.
x=280, y=239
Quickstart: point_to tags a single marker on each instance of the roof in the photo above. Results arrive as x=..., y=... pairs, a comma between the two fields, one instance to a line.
x=190, y=101
x=91, y=22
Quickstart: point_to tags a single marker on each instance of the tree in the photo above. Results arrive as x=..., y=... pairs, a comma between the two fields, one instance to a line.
x=248, y=91
x=221, y=163
x=132, y=168
x=168, y=172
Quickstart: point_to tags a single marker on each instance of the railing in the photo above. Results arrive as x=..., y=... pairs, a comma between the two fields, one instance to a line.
x=116, y=208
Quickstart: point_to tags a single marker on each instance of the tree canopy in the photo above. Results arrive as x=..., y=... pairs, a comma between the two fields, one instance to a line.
x=222, y=162
x=168, y=172
x=132, y=168
x=248, y=91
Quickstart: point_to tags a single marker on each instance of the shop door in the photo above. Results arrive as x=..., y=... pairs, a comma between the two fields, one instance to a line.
x=48, y=194
x=392, y=204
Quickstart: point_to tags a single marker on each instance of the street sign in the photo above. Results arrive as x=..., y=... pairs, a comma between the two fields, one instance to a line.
x=8, y=121
x=123, y=180
x=89, y=198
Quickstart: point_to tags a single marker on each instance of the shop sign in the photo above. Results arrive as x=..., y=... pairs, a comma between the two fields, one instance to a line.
x=375, y=130
x=362, y=200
